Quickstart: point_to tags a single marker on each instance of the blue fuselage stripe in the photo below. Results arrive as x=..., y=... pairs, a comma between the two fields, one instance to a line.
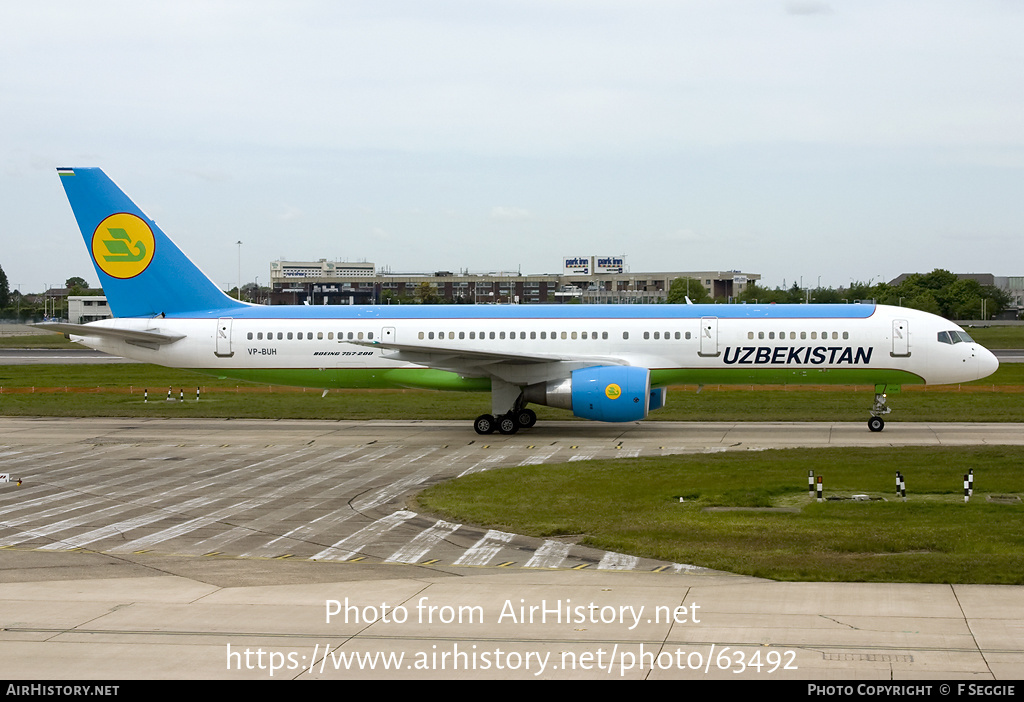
x=530, y=312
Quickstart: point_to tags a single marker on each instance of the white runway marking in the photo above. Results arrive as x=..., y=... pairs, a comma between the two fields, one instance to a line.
x=416, y=549
x=121, y=528
x=618, y=561
x=485, y=549
x=550, y=555
x=349, y=546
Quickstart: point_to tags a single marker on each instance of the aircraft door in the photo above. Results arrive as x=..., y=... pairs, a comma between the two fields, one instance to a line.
x=222, y=348
x=900, y=338
x=708, y=336
x=387, y=335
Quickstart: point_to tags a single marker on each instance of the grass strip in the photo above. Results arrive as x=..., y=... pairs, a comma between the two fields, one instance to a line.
x=633, y=506
x=116, y=390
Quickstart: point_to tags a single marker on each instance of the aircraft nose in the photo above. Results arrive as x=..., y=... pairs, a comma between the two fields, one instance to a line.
x=987, y=363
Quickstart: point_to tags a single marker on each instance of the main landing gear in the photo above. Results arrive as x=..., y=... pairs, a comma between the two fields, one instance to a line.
x=876, y=423
x=508, y=423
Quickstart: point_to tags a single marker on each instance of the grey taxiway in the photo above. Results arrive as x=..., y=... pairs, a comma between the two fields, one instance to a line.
x=161, y=548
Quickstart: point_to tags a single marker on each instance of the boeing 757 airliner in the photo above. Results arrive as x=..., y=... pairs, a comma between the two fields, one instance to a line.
x=611, y=363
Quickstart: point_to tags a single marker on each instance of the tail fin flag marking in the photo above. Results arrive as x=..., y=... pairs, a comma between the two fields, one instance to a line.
x=122, y=246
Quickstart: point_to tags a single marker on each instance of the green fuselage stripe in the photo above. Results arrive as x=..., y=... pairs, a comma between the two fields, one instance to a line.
x=432, y=379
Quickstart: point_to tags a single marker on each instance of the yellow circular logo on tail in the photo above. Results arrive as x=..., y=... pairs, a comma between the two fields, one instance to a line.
x=123, y=245
x=613, y=391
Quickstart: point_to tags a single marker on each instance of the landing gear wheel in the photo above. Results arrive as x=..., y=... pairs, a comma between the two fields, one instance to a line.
x=526, y=418
x=876, y=424
x=485, y=424
x=507, y=424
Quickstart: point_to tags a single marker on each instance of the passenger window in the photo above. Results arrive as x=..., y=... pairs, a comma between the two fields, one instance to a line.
x=625, y=335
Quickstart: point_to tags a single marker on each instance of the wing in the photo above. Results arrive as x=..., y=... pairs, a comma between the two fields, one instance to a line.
x=512, y=367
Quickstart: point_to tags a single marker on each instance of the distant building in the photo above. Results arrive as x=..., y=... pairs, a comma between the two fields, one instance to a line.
x=88, y=308
x=583, y=279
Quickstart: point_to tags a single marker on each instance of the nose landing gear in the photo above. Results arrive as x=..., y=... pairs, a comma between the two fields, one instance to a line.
x=876, y=423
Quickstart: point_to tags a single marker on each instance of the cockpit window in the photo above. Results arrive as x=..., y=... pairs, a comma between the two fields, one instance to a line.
x=954, y=337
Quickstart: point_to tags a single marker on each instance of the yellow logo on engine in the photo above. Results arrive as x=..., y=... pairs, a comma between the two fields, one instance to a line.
x=613, y=391
x=123, y=245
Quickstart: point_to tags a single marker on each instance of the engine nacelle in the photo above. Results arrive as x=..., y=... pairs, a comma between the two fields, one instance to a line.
x=603, y=393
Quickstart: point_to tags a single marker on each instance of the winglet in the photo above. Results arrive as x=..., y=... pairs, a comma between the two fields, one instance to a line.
x=142, y=272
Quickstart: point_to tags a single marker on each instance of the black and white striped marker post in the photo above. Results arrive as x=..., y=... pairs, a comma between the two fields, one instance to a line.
x=145, y=395
x=967, y=489
x=970, y=479
x=810, y=483
x=820, y=488
x=903, y=487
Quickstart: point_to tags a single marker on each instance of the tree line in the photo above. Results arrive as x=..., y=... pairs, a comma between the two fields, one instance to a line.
x=939, y=292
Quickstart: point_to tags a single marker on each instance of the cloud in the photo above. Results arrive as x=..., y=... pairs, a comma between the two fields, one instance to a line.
x=510, y=213
x=290, y=214
x=808, y=7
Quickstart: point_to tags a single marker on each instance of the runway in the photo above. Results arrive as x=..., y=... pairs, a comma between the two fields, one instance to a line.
x=160, y=548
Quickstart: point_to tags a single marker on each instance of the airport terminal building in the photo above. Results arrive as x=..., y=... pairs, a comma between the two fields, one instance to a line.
x=586, y=279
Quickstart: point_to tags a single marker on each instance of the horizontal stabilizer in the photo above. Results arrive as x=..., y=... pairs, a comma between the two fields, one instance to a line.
x=147, y=337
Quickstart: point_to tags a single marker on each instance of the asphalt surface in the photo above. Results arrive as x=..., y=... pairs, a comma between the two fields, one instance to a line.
x=207, y=548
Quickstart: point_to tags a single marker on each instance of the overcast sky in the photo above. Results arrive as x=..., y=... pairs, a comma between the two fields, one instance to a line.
x=848, y=140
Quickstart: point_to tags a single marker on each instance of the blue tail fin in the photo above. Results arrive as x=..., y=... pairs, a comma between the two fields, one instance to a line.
x=142, y=272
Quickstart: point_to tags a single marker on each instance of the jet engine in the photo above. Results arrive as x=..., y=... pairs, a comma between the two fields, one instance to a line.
x=604, y=393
